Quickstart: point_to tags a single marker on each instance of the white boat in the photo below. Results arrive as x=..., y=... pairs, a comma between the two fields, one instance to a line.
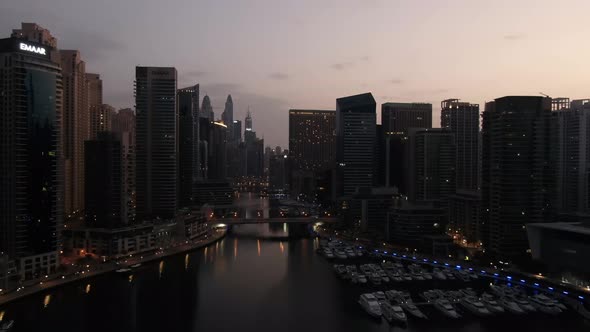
x=490, y=302
x=404, y=300
x=384, y=276
x=350, y=253
x=136, y=265
x=329, y=254
x=406, y=277
x=413, y=310
x=370, y=304
x=468, y=292
x=380, y=296
x=393, y=312
x=375, y=278
x=523, y=304
x=361, y=279
x=427, y=276
x=341, y=254
x=510, y=305
x=123, y=270
x=366, y=269
x=438, y=274
x=474, y=306
x=446, y=308
x=544, y=304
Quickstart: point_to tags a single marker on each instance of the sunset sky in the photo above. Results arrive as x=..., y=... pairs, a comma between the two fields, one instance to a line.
x=273, y=55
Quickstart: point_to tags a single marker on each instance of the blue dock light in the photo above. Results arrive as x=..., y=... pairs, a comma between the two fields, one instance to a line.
x=550, y=288
x=470, y=269
x=394, y=254
x=385, y=252
x=446, y=264
x=404, y=256
x=566, y=293
x=434, y=262
x=458, y=267
x=426, y=260
x=536, y=284
x=414, y=257
x=580, y=297
x=376, y=250
x=495, y=274
x=509, y=277
x=522, y=280
x=483, y=272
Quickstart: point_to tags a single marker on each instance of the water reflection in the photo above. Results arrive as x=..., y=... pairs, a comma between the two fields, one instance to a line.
x=46, y=300
x=186, y=261
x=160, y=269
x=2, y=315
x=235, y=248
x=258, y=243
x=87, y=289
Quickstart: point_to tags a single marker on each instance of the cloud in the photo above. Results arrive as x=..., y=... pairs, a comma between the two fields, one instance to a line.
x=396, y=81
x=365, y=58
x=279, y=76
x=342, y=65
x=513, y=37
x=194, y=73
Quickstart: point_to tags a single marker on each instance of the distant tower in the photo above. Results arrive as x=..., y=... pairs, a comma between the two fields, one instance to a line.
x=156, y=158
x=207, y=109
x=248, y=121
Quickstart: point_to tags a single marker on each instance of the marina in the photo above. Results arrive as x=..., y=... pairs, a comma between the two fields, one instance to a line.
x=446, y=291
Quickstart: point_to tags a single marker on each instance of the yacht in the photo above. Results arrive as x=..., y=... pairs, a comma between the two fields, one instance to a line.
x=329, y=254
x=361, y=278
x=427, y=275
x=340, y=270
x=384, y=276
x=350, y=253
x=418, y=276
x=404, y=300
x=469, y=292
x=474, y=306
x=7, y=327
x=123, y=270
x=392, y=294
x=523, y=304
x=136, y=265
x=370, y=304
x=438, y=274
x=375, y=278
x=490, y=302
x=510, y=306
x=393, y=312
x=406, y=277
x=544, y=304
x=380, y=296
x=446, y=308
x=341, y=254
x=449, y=275
x=459, y=274
x=366, y=269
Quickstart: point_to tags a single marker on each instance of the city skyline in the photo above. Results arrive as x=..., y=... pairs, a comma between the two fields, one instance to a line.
x=410, y=57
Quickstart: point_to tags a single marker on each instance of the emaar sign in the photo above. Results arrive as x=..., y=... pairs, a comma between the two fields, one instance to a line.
x=34, y=49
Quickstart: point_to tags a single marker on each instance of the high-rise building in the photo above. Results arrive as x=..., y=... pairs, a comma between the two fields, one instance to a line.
x=517, y=171
x=76, y=128
x=206, y=109
x=430, y=161
x=31, y=203
x=227, y=117
x=217, y=151
x=396, y=120
x=237, y=130
x=188, y=143
x=104, y=181
x=99, y=114
x=123, y=123
x=312, y=147
x=156, y=135
x=355, y=137
x=573, y=156
x=462, y=119
x=312, y=139
x=248, y=121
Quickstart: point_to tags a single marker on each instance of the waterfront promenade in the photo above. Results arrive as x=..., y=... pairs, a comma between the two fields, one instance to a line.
x=59, y=279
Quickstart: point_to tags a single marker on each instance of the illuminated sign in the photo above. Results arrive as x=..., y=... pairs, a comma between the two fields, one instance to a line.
x=33, y=49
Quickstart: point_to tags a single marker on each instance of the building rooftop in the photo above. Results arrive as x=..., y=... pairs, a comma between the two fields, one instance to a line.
x=356, y=101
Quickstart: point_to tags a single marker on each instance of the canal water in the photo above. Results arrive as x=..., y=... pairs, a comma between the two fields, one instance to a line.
x=258, y=278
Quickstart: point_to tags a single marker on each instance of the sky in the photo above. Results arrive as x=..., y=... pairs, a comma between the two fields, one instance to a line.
x=275, y=55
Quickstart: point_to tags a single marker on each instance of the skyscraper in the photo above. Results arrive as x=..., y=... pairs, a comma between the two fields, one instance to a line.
x=430, y=161
x=156, y=134
x=75, y=128
x=217, y=168
x=312, y=147
x=104, y=188
x=355, y=137
x=248, y=121
x=516, y=171
x=31, y=204
x=123, y=123
x=206, y=109
x=188, y=143
x=237, y=130
x=312, y=139
x=396, y=120
x=99, y=114
x=573, y=156
x=227, y=117
x=462, y=119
